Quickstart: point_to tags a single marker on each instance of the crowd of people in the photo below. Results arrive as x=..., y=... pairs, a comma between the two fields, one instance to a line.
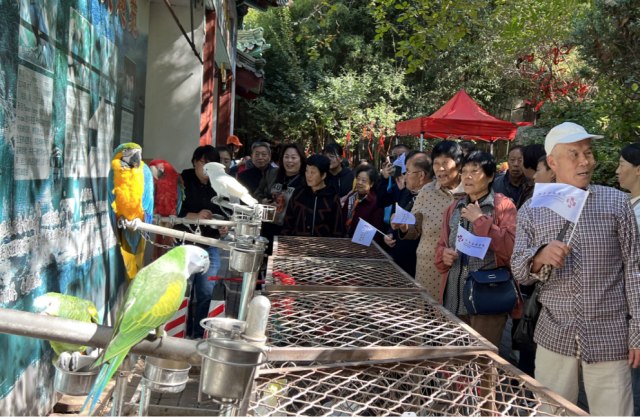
x=589, y=289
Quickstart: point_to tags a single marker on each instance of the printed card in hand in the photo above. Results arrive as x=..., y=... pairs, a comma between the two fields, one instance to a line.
x=472, y=245
x=403, y=216
x=364, y=233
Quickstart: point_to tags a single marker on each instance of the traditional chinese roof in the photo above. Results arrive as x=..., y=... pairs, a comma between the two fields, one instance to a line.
x=249, y=75
x=263, y=5
x=248, y=62
x=252, y=42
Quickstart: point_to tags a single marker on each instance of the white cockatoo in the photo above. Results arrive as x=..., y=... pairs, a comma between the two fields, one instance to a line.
x=226, y=186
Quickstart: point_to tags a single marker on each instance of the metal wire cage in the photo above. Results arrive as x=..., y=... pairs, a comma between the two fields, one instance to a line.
x=481, y=384
x=321, y=274
x=324, y=247
x=360, y=319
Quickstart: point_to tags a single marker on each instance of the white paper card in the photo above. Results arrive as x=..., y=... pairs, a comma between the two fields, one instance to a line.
x=400, y=163
x=403, y=216
x=564, y=199
x=364, y=233
x=472, y=245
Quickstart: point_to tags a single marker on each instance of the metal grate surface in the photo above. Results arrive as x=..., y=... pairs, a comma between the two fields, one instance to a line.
x=352, y=319
x=315, y=272
x=471, y=385
x=324, y=247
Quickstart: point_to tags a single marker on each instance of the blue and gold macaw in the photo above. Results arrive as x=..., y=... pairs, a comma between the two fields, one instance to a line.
x=131, y=197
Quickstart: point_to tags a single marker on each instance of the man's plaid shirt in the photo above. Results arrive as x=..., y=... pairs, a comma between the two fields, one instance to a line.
x=590, y=299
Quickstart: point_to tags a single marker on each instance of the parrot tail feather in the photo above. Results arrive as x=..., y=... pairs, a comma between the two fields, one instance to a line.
x=106, y=373
x=130, y=263
x=248, y=200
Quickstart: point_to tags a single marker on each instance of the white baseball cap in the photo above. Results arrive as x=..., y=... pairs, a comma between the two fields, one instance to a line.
x=566, y=132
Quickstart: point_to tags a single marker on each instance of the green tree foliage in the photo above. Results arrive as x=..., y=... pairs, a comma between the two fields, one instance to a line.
x=337, y=67
x=425, y=27
x=315, y=93
x=609, y=35
x=533, y=26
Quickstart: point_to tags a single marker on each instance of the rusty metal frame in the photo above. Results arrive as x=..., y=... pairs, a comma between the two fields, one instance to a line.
x=362, y=325
x=467, y=384
x=328, y=248
x=374, y=275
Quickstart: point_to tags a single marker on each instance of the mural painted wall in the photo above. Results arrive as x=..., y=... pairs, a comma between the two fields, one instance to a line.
x=72, y=87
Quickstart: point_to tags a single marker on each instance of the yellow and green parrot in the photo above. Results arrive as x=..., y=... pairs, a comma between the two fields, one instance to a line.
x=67, y=307
x=150, y=301
x=130, y=196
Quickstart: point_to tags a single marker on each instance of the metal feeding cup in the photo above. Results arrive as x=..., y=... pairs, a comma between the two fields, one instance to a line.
x=76, y=383
x=162, y=375
x=228, y=369
x=248, y=228
x=261, y=242
x=245, y=258
x=222, y=327
x=166, y=375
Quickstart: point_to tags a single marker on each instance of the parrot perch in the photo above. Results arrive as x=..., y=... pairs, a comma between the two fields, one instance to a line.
x=130, y=196
x=168, y=197
x=67, y=307
x=226, y=186
x=150, y=301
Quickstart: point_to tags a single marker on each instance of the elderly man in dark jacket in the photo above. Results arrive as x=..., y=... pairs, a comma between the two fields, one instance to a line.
x=314, y=210
x=511, y=184
x=261, y=157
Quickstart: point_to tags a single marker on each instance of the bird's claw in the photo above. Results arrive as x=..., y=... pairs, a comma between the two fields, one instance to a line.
x=64, y=360
x=75, y=361
x=158, y=333
x=69, y=362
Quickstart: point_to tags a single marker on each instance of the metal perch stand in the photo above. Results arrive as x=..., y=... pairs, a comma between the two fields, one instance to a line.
x=136, y=224
x=173, y=220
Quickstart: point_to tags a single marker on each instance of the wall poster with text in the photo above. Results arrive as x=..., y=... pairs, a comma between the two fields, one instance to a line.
x=61, y=67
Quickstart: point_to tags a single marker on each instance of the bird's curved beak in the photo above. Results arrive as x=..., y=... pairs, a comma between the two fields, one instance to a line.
x=135, y=159
x=157, y=173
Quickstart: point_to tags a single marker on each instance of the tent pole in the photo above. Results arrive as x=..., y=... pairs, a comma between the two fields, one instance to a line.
x=491, y=148
x=421, y=139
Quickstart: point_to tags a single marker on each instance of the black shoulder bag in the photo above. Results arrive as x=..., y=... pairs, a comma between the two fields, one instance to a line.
x=489, y=292
x=531, y=310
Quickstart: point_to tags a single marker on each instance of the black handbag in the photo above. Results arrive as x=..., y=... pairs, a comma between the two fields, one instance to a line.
x=527, y=326
x=490, y=292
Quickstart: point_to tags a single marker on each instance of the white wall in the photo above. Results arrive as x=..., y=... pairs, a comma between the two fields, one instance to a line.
x=174, y=80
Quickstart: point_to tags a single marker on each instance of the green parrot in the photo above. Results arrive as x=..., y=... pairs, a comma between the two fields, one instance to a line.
x=67, y=307
x=151, y=300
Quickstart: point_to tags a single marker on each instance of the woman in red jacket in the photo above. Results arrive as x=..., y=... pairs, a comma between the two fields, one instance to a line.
x=485, y=214
x=361, y=203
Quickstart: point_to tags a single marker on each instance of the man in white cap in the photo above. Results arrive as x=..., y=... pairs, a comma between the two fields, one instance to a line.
x=590, y=291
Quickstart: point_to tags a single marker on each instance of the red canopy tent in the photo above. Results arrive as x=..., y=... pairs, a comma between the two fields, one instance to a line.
x=460, y=118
